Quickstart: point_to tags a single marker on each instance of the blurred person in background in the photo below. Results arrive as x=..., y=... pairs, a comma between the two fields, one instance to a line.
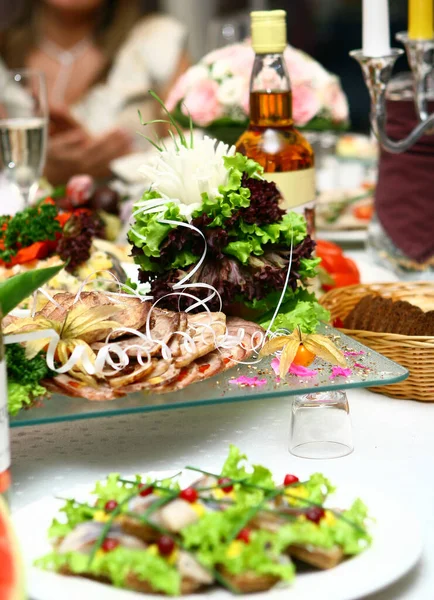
x=100, y=58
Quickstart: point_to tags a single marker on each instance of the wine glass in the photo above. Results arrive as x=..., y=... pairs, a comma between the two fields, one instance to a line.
x=23, y=129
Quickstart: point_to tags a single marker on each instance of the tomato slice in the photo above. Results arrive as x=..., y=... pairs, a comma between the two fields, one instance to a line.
x=35, y=251
x=334, y=263
x=62, y=218
x=323, y=247
x=364, y=212
x=342, y=280
x=353, y=269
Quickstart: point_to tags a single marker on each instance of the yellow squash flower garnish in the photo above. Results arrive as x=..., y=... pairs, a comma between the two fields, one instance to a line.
x=234, y=549
x=317, y=344
x=329, y=518
x=199, y=509
x=101, y=516
x=76, y=328
x=296, y=492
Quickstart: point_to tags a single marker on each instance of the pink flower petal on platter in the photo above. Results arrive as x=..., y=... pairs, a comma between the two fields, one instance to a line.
x=275, y=364
x=251, y=381
x=340, y=372
x=360, y=366
x=354, y=352
x=297, y=370
x=302, y=371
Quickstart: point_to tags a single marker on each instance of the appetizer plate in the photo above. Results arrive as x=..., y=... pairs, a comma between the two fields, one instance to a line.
x=353, y=236
x=376, y=370
x=392, y=554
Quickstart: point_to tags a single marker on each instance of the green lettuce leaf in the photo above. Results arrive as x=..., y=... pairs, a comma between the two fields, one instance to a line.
x=252, y=239
x=149, y=226
x=75, y=513
x=114, y=489
x=20, y=396
x=319, y=487
x=234, y=467
x=261, y=556
x=117, y=565
x=348, y=532
x=299, y=309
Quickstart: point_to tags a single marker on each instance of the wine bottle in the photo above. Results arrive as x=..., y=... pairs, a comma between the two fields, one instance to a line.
x=5, y=457
x=271, y=138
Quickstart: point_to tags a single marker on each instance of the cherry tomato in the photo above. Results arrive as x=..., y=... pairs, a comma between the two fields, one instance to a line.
x=166, y=545
x=109, y=544
x=363, y=212
x=290, y=479
x=226, y=488
x=303, y=358
x=315, y=514
x=189, y=495
x=244, y=535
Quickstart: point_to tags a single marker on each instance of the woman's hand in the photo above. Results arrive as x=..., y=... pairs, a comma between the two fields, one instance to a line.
x=74, y=151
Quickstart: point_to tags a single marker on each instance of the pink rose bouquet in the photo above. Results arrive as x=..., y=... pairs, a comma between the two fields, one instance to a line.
x=215, y=93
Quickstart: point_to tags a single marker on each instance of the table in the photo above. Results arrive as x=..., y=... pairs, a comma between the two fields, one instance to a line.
x=394, y=450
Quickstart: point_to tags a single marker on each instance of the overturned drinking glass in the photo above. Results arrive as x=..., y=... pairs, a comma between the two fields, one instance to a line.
x=321, y=426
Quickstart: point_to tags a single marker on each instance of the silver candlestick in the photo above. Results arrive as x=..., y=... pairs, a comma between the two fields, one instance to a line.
x=377, y=72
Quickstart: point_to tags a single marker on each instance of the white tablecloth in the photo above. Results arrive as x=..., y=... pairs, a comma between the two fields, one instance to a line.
x=394, y=450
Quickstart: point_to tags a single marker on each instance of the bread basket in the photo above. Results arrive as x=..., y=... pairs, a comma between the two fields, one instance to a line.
x=416, y=353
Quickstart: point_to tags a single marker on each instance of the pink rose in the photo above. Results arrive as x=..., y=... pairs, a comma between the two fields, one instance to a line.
x=269, y=79
x=245, y=101
x=296, y=65
x=177, y=92
x=336, y=102
x=239, y=56
x=305, y=104
x=202, y=103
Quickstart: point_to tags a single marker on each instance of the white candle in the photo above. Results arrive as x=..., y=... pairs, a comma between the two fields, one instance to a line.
x=376, y=31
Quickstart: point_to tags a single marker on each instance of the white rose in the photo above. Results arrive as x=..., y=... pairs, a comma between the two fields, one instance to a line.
x=231, y=91
x=196, y=73
x=220, y=69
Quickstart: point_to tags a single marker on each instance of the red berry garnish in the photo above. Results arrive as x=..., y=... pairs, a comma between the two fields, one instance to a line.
x=315, y=514
x=189, y=495
x=109, y=544
x=165, y=545
x=290, y=479
x=244, y=535
x=110, y=505
x=226, y=488
x=145, y=490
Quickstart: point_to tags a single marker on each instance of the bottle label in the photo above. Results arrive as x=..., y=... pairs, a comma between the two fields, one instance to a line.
x=5, y=457
x=297, y=188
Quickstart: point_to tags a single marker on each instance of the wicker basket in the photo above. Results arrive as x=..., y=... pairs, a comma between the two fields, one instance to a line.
x=415, y=353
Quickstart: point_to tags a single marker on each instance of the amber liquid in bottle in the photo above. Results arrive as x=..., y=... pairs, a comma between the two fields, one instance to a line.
x=271, y=138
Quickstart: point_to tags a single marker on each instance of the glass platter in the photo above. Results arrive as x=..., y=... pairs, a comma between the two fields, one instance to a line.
x=378, y=370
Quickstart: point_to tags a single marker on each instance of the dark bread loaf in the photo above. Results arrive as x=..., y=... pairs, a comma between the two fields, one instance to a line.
x=382, y=315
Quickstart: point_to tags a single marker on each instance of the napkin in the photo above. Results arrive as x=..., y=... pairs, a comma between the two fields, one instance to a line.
x=404, y=195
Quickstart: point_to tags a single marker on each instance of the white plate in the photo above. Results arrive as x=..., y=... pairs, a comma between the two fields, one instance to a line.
x=344, y=236
x=395, y=550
